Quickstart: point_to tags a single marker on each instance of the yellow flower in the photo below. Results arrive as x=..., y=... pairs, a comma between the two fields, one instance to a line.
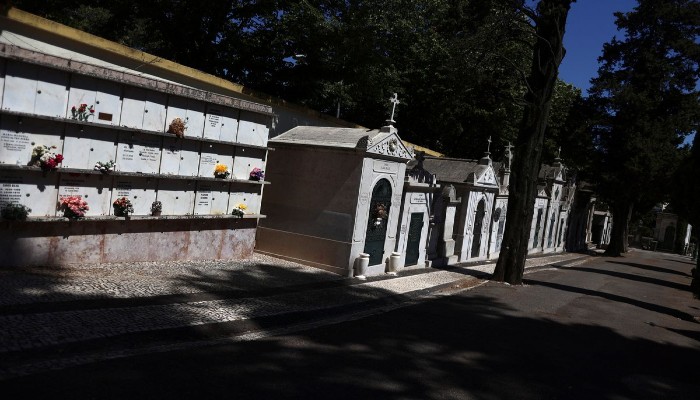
x=220, y=168
x=242, y=206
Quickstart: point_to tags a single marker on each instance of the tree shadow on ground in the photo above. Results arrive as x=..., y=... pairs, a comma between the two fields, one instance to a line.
x=633, y=277
x=651, y=267
x=689, y=262
x=457, y=347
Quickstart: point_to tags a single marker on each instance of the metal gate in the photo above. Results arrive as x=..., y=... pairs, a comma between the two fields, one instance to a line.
x=377, y=222
x=478, y=224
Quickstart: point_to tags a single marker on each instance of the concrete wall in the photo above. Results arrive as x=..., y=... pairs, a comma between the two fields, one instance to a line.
x=56, y=243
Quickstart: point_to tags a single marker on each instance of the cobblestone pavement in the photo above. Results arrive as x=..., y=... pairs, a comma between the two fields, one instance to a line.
x=66, y=309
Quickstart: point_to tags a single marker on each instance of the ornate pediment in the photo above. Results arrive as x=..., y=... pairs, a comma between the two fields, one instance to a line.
x=390, y=145
x=488, y=177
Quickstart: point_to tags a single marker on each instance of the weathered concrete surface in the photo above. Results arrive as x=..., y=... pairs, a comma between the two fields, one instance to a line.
x=26, y=244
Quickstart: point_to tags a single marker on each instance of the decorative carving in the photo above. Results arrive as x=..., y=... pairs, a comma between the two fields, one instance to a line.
x=390, y=146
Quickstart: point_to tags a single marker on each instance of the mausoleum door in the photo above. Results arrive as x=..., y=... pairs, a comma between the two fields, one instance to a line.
x=478, y=224
x=377, y=221
x=413, y=241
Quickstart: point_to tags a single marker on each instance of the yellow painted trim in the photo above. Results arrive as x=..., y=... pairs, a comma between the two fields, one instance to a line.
x=421, y=148
x=90, y=40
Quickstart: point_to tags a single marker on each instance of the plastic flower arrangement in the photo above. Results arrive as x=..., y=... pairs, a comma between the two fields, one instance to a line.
x=257, y=174
x=221, y=171
x=178, y=127
x=45, y=158
x=156, y=208
x=238, y=211
x=122, y=207
x=17, y=212
x=105, y=167
x=73, y=207
x=82, y=112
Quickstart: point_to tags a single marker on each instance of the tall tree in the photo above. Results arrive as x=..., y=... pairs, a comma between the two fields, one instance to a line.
x=550, y=21
x=646, y=101
x=685, y=198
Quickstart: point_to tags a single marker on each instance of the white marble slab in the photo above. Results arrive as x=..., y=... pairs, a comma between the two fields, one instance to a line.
x=211, y=198
x=140, y=191
x=245, y=194
x=31, y=189
x=17, y=140
x=94, y=189
x=246, y=160
x=191, y=110
x=35, y=90
x=86, y=145
x=212, y=154
x=139, y=152
x=133, y=106
x=154, y=112
x=103, y=95
x=253, y=129
x=176, y=196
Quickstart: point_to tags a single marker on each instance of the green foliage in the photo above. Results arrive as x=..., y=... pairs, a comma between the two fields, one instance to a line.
x=14, y=211
x=646, y=101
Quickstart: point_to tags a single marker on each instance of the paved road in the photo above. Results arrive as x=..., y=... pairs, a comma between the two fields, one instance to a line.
x=622, y=328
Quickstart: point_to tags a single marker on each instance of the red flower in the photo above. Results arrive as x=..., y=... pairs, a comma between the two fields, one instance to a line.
x=58, y=158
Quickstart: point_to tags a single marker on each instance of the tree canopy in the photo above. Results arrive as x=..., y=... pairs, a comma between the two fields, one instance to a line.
x=458, y=66
x=645, y=100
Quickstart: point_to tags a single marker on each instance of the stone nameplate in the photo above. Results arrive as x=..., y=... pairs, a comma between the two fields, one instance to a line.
x=246, y=160
x=31, y=189
x=211, y=198
x=176, y=196
x=18, y=140
x=180, y=157
x=95, y=189
x=386, y=167
x=140, y=191
x=138, y=152
x=212, y=154
x=418, y=198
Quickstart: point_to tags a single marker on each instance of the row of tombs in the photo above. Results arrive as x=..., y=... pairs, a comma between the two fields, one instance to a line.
x=357, y=202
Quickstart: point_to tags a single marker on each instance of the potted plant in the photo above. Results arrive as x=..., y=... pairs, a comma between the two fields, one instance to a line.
x=105, y=167
x=238, y=211
x=177, y=127
x=221, y=171
x=122, y=207
x=15, y=212
x=73, y=207
x=257, y=174
x=45, y=158
x=82, y=112
x=156, y=208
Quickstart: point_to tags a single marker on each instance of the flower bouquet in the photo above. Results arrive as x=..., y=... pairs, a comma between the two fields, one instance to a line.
x=257, y=174
x=238, y=210
x=73, y=207
x=105, y=167
x=45, y=158
x=82, y=112
x=178, y=127
x=17, y=212
x=122, y=207
x=156, y=208
x=221, y=171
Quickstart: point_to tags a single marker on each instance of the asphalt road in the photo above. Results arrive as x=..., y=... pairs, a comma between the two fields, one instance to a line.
x=624, y=328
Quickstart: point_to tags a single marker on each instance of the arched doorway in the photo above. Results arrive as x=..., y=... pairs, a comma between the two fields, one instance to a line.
x=669, y=237
x=379, y=208
x=478, y=224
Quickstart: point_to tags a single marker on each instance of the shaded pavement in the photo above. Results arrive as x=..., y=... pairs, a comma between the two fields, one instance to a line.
x=622, y=328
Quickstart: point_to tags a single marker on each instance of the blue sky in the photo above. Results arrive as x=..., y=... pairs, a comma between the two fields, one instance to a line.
x=590, y=24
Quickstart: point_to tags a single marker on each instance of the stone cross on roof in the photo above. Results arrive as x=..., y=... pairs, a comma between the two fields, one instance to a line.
x=394, y=100
x=488, y=147
x=509, y=155
x=559, y=153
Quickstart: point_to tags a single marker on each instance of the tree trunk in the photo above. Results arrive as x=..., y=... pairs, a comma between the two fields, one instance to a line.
x=622, y=212
x=547, y=55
